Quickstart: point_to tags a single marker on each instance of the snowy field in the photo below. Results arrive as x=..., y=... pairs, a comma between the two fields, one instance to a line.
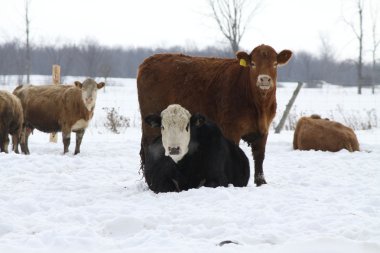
x=98, y=202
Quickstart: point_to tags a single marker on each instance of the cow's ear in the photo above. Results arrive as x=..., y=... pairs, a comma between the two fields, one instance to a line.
x=78, y=84
x=153, y=120
x=244, y=58
x=284, y=56
x=197, y=120
x=100, y=85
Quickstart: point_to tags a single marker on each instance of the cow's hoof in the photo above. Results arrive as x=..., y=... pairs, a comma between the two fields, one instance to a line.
x=76, y=152
x=260, y=179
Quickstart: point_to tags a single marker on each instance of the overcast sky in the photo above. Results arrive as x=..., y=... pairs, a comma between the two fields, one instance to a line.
x=284, y=24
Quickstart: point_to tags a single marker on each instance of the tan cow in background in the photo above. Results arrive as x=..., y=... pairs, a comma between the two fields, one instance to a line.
x=323, y=134
x=55, y=108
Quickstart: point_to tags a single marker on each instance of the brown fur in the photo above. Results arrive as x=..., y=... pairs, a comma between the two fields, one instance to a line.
x=52, y=108
x=11, y=119
x=221, y=89
x=323, y=134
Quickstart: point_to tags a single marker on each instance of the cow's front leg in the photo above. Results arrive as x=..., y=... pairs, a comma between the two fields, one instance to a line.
x=79, y=137
x=257, y=142
x=66, y=135
x=258, y=152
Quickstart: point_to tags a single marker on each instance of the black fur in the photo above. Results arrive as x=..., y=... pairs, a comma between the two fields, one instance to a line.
x=212, y=161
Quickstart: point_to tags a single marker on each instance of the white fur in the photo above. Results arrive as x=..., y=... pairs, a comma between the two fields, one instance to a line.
x=89, y=93
x=80, y=124
x=175, y=130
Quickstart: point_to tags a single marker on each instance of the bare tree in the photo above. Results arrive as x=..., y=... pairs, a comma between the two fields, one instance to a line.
x=327, y=51
x=287, y=108
x=326, y=57
x=375, y=42
x=359, y=35
x=27, y=45
x=92, y=56
x=105, y=71
x=306, y=64
x=232, y=20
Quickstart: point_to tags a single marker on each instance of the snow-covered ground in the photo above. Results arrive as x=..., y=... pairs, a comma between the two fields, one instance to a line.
x=98, y=202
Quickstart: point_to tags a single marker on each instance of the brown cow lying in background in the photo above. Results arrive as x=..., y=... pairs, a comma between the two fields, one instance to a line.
x=55, y=108
x=11, y=119
x=323, y=134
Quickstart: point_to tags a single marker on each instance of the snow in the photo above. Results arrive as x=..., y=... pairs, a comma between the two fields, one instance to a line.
x=97, y=201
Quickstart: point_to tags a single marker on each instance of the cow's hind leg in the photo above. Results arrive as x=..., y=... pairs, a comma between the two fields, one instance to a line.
x=15, y=142
x=4, y=142
x=23, y=141
x=79, y=137
x=26, y=131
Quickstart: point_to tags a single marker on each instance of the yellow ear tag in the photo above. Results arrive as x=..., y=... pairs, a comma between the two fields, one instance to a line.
x=243, y=63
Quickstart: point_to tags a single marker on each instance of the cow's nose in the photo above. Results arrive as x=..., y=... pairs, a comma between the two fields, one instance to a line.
x=265, y=79
x=174, y=150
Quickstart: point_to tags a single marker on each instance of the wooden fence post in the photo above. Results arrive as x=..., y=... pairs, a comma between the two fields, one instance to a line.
x=56, y=76
x=287, y=109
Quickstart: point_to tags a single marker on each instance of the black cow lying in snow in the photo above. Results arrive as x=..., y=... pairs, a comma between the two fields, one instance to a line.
x=191, y=152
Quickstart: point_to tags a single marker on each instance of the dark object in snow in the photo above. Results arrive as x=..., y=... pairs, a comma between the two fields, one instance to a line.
x=227, y=242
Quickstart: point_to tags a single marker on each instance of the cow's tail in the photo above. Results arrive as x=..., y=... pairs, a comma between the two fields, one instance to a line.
x=142, y=159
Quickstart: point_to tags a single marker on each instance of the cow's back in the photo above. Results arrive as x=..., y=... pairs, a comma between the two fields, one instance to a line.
x=216, y=159
x=325, y=135
x=43, y=105
x=193, y=82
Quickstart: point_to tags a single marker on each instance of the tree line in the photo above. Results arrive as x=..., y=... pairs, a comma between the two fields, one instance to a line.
x=93, y=60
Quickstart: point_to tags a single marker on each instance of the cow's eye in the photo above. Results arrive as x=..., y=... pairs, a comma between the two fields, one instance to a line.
x=253, y=65
x=162, y=127
x=275, y=64
x=187, y=127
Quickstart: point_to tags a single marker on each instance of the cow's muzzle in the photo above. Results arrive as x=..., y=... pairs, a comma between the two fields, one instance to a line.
x=264, y=82
x=174, y=150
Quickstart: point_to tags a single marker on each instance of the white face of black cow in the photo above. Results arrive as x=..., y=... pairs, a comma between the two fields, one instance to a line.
x=175, y=131
x=89, y=92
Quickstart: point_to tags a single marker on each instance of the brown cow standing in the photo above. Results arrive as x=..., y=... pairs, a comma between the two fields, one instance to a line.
x=55, y=108
x=238, y=94
x=323, y=134
x=11, y=119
